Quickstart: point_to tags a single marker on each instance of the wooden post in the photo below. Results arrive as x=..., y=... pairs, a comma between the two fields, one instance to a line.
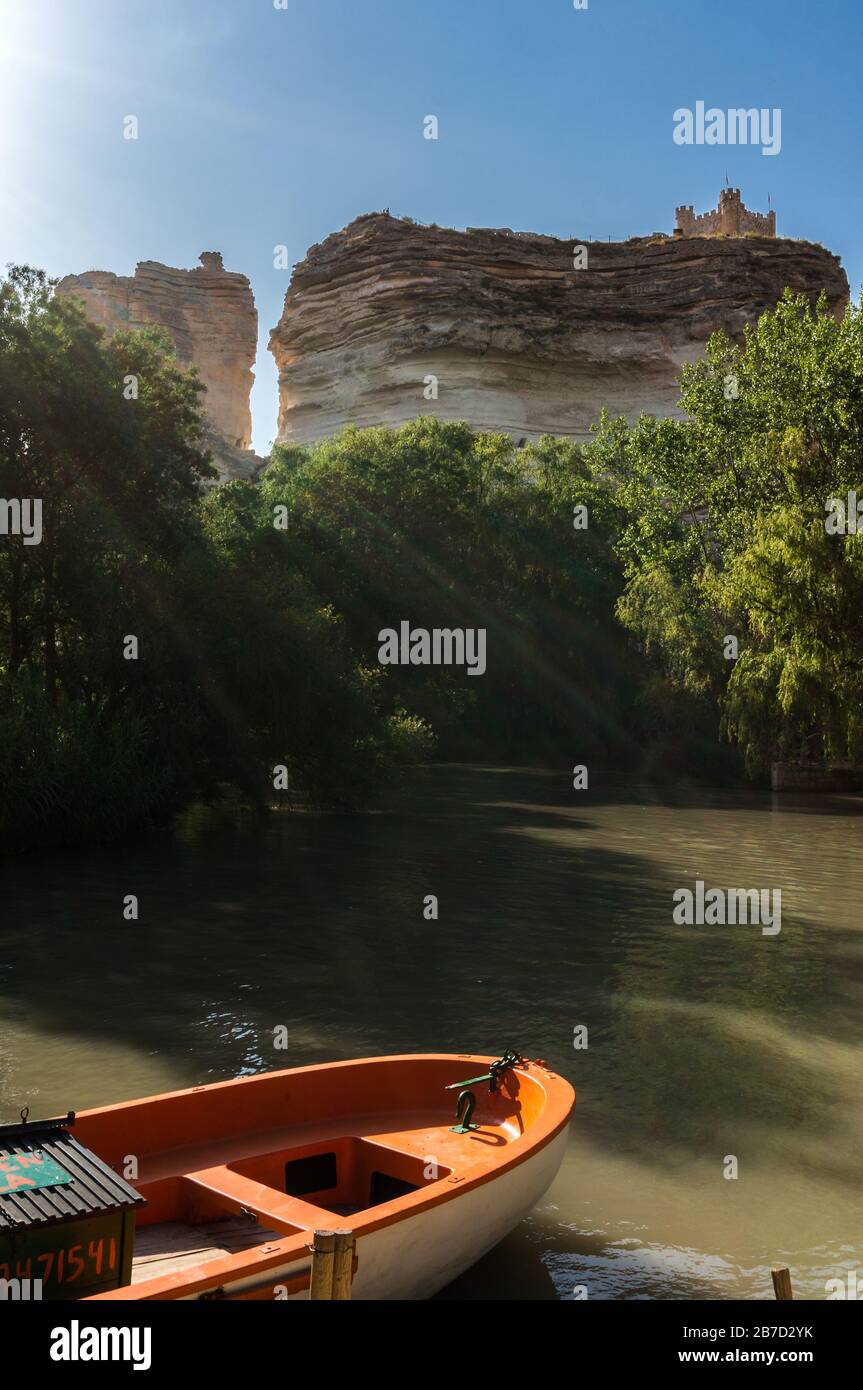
x=343, y=1270
x=323, y=1255
x=782, y=1283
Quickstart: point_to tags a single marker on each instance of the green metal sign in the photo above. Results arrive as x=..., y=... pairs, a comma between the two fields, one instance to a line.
x=21, y=1171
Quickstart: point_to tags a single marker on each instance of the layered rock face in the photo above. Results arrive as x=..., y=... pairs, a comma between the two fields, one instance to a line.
x=210, y=314
x=507, y=331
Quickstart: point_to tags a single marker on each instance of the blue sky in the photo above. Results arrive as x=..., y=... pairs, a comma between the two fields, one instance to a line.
x=261, y=126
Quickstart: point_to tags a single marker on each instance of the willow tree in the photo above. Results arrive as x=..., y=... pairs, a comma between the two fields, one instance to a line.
x=740, y=579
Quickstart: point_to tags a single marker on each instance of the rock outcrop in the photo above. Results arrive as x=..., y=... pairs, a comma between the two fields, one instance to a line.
x=508, y=333
x=210, y=314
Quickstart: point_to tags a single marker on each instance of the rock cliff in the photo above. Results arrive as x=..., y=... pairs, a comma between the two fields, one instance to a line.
x=211, y=316
x=511, y=336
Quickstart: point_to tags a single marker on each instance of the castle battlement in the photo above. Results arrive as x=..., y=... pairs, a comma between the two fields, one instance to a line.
x=730, y=218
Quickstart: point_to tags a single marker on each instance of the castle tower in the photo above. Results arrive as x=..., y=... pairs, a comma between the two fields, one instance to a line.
x=730, y=218
x=684, y=220
x=730, y=208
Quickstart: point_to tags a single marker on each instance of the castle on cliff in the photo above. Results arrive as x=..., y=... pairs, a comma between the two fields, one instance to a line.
x=731, y=218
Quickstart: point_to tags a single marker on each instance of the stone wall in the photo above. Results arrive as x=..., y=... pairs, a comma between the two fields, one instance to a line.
x=816, y=777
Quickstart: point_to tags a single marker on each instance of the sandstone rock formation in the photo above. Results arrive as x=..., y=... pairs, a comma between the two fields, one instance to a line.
x=210, y=314
x=516, y=337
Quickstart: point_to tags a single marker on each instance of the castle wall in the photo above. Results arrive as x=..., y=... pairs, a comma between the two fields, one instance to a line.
x=730, y=218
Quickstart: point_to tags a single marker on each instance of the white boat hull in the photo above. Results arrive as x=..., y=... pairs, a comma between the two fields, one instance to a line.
x=416, y=1257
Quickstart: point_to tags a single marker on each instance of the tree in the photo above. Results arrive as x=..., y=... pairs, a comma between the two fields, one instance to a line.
x=445, y=528
x=146, y=656
x=726, y=532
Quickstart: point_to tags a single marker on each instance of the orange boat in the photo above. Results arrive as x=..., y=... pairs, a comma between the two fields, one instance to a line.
x=231, y=1180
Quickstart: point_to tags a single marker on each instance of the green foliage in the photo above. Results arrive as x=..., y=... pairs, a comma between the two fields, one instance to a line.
x=235, y=673
x=411, y=741
x=726, y=532
x=258, y=609
x=69, y=775
x=441, y=527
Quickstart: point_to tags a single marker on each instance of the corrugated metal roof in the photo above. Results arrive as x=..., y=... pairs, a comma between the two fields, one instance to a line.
x=94, y=1187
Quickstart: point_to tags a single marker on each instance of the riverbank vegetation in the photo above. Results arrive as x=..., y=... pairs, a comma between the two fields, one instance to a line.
x=165, y=641
x=147, y=654
x=742, y=544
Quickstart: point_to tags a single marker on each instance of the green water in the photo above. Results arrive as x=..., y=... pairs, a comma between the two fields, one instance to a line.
x=555, y=912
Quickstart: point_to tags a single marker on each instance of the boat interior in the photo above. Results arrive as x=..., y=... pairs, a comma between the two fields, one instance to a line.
x=362, y=1139
x=276, y=1189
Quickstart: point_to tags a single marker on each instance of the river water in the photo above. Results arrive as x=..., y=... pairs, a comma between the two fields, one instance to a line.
x=704, y=1042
